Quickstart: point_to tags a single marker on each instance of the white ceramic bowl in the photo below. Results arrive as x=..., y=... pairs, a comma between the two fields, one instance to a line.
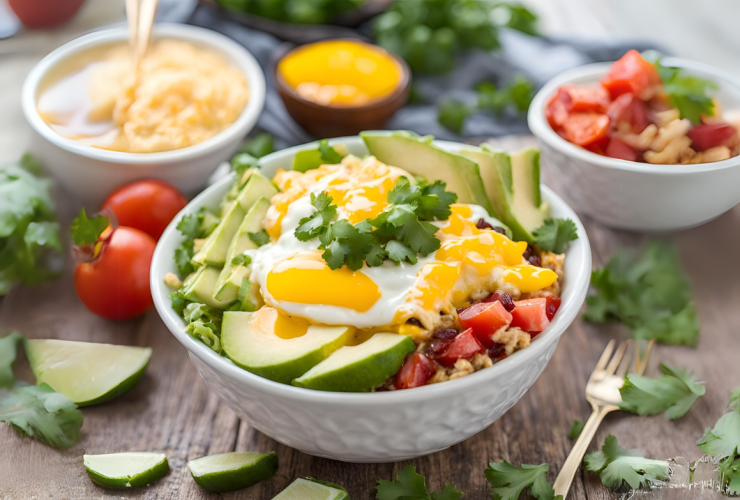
x=372, y=427
x=631, y=195
x=92, y=173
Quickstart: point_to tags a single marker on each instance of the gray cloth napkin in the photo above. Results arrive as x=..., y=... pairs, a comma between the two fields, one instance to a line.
x=540, y=59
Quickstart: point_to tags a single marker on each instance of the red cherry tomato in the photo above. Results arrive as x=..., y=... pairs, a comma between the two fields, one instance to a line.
x=415, y=372
x=485, y=318
x=148, y=205
x=617, y=148
x=587, y=129
x=36, y=14
x=116, y=284
x=632, y=74
x=556, y=112
x=630, y=109
x=530, y=315
x=465, y=346
x=706, y=136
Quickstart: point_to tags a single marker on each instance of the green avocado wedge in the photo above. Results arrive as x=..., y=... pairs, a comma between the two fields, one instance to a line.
x=232, y=471
x=267, y=355
x=308, y=489
x=512, y=182
x=200, y=286
x=87, y=373
x=359, y=368
x=126, y=470
x=419, y=156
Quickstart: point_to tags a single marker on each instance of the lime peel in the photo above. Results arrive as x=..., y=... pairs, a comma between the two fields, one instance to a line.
x=232, y=471
x=310, y=489
x=126, y=470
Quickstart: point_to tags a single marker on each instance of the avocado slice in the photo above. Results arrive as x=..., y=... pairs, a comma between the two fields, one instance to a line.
x=215, y=248
x=231, y=279
x=199, y=287
x=359, y=368
x=512, y=182
x=418, y=156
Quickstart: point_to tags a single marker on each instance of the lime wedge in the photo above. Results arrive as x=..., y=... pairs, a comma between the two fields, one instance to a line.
x=305, y=489
x=126, y=470
x=232, y=471
x=85, y=372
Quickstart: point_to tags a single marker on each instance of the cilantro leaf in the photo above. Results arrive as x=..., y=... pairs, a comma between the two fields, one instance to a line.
x=648, y=292
x=7, y=356
x=448, y=493
x=555, y=234
x=724, y=439
x=260, y=238
x=329, y=155
x=674, y=393
x=616, y=465
x=241, y=162
x=398, y=252
x=178, y=302
x=435, y=201
x=516, y=95
x=86, y=231
x=318, y=222
x=688, y=94
x=509, y=481
x=730, y=475
x=412, y=486
x=189, y=226
x=258, y=146
x=183, y=255
x=39, y=412
x=451, y=114
x=241, y=260
x=575, y=429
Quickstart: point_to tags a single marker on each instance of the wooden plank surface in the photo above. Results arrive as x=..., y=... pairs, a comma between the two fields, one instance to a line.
x=172, y=410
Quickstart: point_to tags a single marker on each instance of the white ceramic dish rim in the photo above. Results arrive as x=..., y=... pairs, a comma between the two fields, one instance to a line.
x=566, y=314
x=541, y=128
x=216, y=41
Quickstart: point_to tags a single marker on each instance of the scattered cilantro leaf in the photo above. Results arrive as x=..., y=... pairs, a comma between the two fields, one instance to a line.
x=616, y=465
x=318, y=222
x=329, y=155
x=516, y=96
x=724, y=439
x=729, y=471
x=241, y=162
x=522, y=19
x=451, y=114
x=509, y=481
x=183, y=255
x=555, y=234
x=434, y=203
x=178, y=302
x=575, y=429
x=648, y=292
x=39, y=412
x=189, y=226
x=241, y=260
x=688, y=94
x=85, y=230
x=674, y=393
x=412, y=486
x=192, y=226
x=259, y=238
x=7, y=356
x=258, y=146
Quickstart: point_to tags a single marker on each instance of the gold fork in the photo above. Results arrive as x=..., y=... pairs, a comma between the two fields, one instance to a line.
x=602, y=391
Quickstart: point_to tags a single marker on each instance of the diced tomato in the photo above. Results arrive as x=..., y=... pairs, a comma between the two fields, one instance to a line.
x=485, y=318
x=463, y=346
x=704, y=136
x=551, y=306
x=556, y=112
x=586, y=129
x=530, y=315
x=630, y=109
x=415, y=372
x=575, y=99
x=632, y=74
x=617, y=148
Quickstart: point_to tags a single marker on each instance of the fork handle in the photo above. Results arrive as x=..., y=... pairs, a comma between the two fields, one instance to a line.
x=568, y=472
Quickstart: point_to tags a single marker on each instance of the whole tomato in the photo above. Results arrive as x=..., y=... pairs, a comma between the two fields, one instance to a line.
x=115, y=283
x=148, y=205
x=36, y=14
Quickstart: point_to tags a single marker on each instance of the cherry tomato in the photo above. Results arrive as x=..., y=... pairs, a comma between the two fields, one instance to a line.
x=617, y=148
x=485, y=318
x=36, y=14
x=415, y=372
x=704, y=136
x=587, y=129
x=530, y=315
x=632, y=74
x=148, y=205
x=463, y=346
x=115, y=285
x=556, y=112
x=630, y=109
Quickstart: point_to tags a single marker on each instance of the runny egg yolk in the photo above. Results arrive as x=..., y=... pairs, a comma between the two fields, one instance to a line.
x=306, y=279
x=271, y=320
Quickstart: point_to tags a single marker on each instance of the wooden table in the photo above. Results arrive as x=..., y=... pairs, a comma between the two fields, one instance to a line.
x=173, y=411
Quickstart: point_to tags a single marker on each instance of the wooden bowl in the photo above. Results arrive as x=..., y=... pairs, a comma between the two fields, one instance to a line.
x=335, y=121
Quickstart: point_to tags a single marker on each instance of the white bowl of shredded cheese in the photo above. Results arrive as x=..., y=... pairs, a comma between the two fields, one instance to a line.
x=198, y=95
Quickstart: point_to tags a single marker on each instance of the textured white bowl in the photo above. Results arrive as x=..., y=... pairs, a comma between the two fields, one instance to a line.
x=92, y=173
x=631, y=195
x=372, y=427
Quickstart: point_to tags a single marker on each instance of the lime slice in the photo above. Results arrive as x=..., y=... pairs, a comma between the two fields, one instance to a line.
x=305, y=489
x=232, y=471
x=126, y=470
x=86, y=372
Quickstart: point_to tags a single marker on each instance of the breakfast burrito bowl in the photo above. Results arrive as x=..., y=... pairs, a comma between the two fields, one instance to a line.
x=390, y=421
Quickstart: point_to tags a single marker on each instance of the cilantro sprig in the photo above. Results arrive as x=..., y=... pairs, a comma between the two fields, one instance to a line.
x=648, y=292
x=509, y=481
x=724, y=438
x=86, y=230
x=674, y=393
x=688, y=94
x=576, y=427
x=192, y=226
x=616, y=466
x=555, y=234
x=412, y=486
x=400, y=233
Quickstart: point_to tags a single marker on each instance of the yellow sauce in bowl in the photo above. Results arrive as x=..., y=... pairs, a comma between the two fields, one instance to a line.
x=340, y=73
x=185, y=94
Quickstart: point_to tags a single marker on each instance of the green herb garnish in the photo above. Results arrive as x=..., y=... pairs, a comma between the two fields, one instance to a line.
x=616, y=465
x=674, y=393
x=259, y=238
x=192, y=226
x=555, y=234
x=412, y=486
x=509, y=481
x=451, y=114
x=86, y=230
x=329, y=155
x=688, y=94
x=724, y=439
x=7, y=356
x=258, y=146
x=575, y=429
